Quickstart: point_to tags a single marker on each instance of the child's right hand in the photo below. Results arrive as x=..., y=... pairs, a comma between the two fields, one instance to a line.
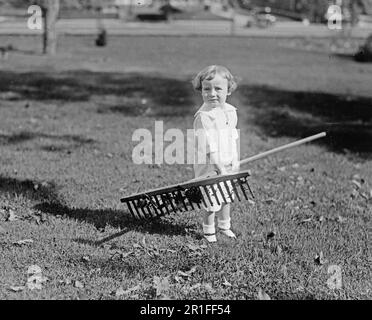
x=221, y=170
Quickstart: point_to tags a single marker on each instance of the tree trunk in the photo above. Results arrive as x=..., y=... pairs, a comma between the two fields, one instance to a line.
x=50, y=14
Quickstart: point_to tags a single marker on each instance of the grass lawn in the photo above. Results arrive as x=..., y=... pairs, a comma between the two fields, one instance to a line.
x=65, y=138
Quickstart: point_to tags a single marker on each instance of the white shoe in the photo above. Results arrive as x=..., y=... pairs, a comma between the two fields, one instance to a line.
x=228, y=233
x=210, y=237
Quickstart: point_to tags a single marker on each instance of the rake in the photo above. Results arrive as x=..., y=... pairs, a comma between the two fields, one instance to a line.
x=204, y=190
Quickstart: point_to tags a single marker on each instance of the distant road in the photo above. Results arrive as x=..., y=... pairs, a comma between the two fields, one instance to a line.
x=178, y=27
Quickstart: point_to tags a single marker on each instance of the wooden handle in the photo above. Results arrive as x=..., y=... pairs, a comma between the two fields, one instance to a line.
x=286, y=146
x=266, y=153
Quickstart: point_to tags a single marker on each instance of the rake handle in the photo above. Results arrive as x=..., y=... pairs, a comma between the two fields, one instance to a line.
x=286, y=146
x=266, y=153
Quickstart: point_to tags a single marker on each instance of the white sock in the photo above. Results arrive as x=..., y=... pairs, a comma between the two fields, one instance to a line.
x=224, y=224
x=209, y=232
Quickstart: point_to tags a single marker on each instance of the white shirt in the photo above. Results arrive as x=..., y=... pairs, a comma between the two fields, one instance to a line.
x=215, y=131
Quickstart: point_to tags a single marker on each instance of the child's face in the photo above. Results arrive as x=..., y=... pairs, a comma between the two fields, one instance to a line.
x=215, y=91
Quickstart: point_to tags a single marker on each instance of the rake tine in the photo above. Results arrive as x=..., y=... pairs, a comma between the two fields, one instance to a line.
x=137, y=211
x=148, y=207
x=208, y=196
x=144, y=212
x=142, y=215
x=130, y=209
x=215, y=195
x=204, y=202
x=171, y=202
x=165, y=204
x=241, y=186
x=181, y=197
x=158, y=205
x=189, y=201
x=236, y=191
x=155, y=204
x=222, y=193
x=228, y=191
x=250, y=190
x=197, y=203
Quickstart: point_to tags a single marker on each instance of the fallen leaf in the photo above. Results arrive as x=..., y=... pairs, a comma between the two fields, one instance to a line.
x=251, y=202
x=262, y=295
x=354, y=194
x=23, y=242
x=183, y=274
x=120, y=291
x=357, y=184
x=17, y=288
x=187, y=273
x=341, y=219
x=364, y=195
x=226, y=283
x=270, y=200
x=195, y=286
x=319, y=259
x=78, y=284
x=123, y=255
x=284, y=270
x=209, y=287
x=161, y=285
x=279, y=250
x=144, y=242
x=44, y=184
x=11, y=215
x=86, y=258
x=36, y=281
x=281, y=169
x=192, y=246
x=33, y=269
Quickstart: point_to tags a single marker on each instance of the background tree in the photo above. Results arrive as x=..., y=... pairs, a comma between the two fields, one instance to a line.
x=50, y=12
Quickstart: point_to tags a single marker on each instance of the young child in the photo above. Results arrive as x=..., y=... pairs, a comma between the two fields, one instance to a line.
x=216, y=141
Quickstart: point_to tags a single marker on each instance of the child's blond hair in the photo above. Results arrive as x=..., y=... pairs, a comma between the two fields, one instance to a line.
x=209, y=73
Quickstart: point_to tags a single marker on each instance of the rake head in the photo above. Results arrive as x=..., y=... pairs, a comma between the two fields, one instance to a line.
x=189, y=195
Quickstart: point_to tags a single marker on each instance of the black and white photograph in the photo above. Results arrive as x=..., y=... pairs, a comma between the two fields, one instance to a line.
x=180, y=156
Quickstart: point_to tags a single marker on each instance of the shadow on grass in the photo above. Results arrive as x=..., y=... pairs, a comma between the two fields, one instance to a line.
x=101, y=218
x=125, y=93
x=33, y=190
x=50, y=203
x=24, y=136
x=56, y=143
x=346, y=119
